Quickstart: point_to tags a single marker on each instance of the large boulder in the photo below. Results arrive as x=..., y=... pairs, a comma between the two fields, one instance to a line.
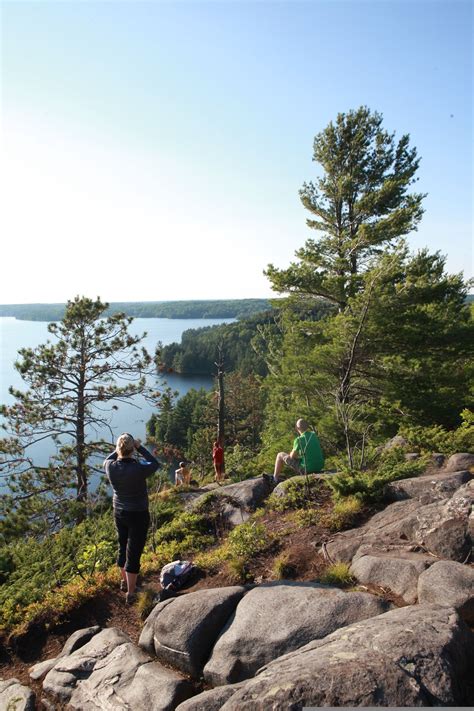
x=413, y=656
x=281, y=489
x=78, y=639
x=397, y=441
x=449, y=583
x=462, y=460
x=441, y=528
x=393, y=567
x=427, y=489
x=276, y=618
x=61, y=680
x=127, y=679
x=247, y=494
x=182, y=631
x=210, y=700
x=14, y=696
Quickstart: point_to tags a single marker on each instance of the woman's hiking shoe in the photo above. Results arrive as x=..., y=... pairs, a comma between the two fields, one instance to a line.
x=123, y=585
x=269, y=479
x=130, y=598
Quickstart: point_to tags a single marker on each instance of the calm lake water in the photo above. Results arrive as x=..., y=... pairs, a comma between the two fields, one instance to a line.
x=130, y=417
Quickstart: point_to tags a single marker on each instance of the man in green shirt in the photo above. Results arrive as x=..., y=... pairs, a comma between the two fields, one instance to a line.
x=306, y=457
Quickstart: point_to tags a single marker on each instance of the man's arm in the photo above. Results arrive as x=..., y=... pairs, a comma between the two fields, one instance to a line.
x=295, y=452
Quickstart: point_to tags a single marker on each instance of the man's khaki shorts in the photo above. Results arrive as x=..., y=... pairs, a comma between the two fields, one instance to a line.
x=293, y=464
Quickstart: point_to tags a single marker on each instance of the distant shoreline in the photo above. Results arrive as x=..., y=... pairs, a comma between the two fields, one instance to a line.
x=196, y=309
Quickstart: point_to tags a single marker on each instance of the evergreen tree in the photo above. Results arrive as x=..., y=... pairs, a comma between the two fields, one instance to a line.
x=74, y=382
x=361, y=205
x=398, y=346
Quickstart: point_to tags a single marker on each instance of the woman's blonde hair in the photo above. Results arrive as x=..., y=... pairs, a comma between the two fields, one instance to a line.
x=125, y=445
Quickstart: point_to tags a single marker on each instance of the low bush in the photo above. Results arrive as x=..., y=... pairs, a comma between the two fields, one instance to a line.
x=300, y=491
x=282, y=568
x=344, y=514
x=439, y=439
x=248, y=539
x=368, y=486
x=337, y=574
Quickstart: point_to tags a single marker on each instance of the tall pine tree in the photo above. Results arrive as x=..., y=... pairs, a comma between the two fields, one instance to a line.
x=74, y=381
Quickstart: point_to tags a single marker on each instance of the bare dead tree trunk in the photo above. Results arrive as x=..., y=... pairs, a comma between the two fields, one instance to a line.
x=221, y=400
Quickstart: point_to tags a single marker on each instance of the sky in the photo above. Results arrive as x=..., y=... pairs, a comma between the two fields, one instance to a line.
x=154, y=150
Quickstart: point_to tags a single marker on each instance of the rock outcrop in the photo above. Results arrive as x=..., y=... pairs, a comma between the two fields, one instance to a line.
x=277, y=618
x=182, y=631
x=14, y=696
x=449, y=583
x=392, y=567
x=414, y=656
x=237, y=501
x=127, y=679
x=286, y=645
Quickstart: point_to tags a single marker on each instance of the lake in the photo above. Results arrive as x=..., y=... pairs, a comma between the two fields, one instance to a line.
x=130, y=417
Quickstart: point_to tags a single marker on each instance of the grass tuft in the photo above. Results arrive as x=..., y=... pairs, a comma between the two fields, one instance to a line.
x=338, y=574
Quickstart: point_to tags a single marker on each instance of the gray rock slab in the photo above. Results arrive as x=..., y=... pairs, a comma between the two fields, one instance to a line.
x=15, y=696
x=280, y=489
x=462, y=460
x=78, y=639
x=441, y=528
x=184, y=630
x=427, y=489
x=277, y=618
x=146, y=641
x=61, y=680
x=449, y=583
x=247, y=494
x=420, y=655
x=39, y=670
x=437, y=459
x=211, y=700
x=397, y=441
x=387, y=570
x=155, y=687
x=101, y=689
x=127, y=679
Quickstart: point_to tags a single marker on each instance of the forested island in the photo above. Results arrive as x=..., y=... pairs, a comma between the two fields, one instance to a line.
x=225, y=308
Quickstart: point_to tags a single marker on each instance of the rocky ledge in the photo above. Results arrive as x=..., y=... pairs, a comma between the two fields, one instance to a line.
x=287, y=645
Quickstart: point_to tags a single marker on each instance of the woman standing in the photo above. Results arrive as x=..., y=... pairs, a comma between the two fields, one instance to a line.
x=130, y=501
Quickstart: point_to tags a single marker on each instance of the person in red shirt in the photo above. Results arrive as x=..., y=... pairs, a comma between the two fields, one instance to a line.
x=218, y=460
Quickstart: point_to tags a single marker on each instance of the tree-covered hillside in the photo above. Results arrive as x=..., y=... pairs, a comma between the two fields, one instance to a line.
x=228, y=308
x=244, y=344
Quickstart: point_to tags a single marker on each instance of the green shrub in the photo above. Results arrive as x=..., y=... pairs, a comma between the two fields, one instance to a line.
x=248, y=539
x=337, y=574
x=237, y=569
x=212, y=560
x=344, y=513
x=368, y=486
x=145, y=603
x=300, y=491
x=438, y=439
x=282, y=568
x=306, y=517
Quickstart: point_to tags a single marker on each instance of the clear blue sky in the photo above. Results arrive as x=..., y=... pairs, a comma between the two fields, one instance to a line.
x=154, y=150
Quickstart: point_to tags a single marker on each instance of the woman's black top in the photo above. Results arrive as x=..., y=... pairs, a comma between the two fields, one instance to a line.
x=128, y=478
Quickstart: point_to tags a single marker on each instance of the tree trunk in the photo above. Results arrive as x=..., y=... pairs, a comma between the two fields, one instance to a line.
x=221, y=402
x=81, y=465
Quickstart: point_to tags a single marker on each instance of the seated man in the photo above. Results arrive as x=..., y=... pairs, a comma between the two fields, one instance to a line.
x=306, y=457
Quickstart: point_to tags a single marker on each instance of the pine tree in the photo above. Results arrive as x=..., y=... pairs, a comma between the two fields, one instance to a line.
x=74, y=381
x=361, y=206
